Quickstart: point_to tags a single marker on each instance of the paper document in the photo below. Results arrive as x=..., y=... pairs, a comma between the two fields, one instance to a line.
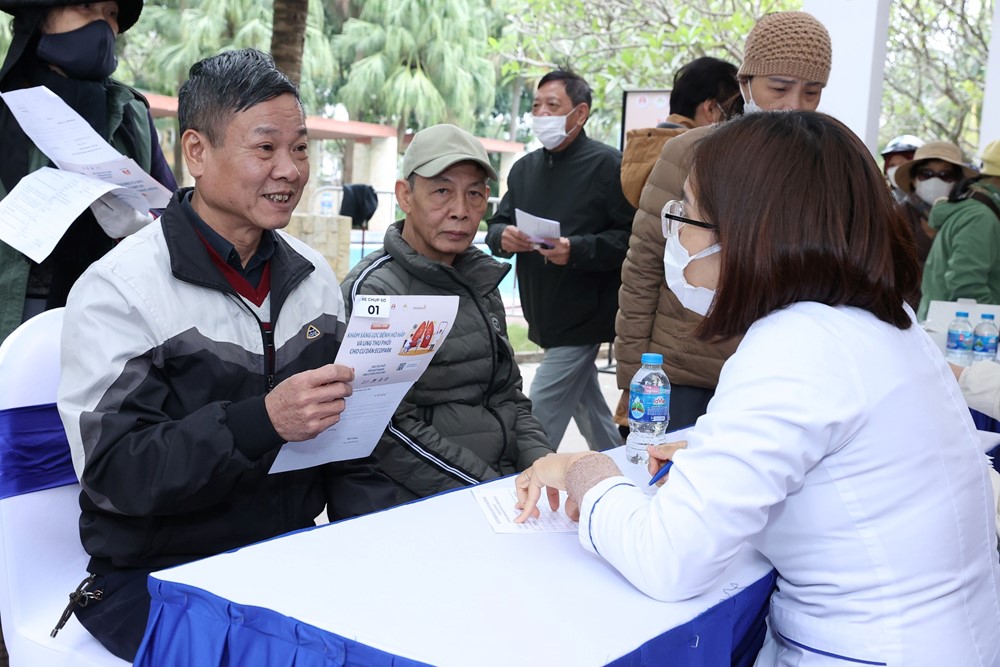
x=497, y=504
x=34, y=217
x=389, y=342
x=537, y=229
x=42, y=206
x=73, y=145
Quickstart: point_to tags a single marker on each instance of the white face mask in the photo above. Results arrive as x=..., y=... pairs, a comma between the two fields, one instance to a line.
x=675, y=260
x=933, y=189
x=550, y=130
x=890, y=173
x=749, y=106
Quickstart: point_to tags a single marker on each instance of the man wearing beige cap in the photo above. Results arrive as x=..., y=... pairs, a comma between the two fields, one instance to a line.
x=786, y=63
x=466, y=419
x=964, y=261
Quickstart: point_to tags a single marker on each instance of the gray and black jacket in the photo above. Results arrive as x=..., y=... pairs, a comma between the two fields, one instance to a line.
x=465, y=420
x=164, y=373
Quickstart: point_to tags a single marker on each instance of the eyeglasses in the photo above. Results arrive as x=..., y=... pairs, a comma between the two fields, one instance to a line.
x=946, y=175
x=675, y=214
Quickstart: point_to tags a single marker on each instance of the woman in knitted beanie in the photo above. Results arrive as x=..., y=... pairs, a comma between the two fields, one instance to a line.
x=786, y=63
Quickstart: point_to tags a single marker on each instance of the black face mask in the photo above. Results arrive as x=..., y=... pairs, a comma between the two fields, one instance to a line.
x=86, y=53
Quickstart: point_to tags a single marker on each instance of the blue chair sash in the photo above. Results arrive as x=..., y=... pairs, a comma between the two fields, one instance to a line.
x=34, y=452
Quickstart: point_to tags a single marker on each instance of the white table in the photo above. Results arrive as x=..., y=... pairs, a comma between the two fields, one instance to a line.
x=429, y=582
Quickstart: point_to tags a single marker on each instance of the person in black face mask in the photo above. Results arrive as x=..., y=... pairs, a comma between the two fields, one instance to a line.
x=69, y=47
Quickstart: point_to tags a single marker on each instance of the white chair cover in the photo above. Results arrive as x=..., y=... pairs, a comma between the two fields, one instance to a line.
x=41, y=558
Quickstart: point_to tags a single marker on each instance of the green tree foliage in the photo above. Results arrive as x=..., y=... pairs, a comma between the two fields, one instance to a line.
x=414, y=63
x=624, y=44
x=935, y=70
x=4, y=33
x=173, y=34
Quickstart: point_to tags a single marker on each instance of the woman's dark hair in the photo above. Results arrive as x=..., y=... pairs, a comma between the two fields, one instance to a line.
x=804, y=214
x=960, y=190
x=704, y=78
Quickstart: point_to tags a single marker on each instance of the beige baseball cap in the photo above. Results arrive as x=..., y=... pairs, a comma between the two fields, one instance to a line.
x=438, y=147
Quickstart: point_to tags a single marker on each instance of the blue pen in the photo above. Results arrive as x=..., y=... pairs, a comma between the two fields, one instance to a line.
x=661, y=473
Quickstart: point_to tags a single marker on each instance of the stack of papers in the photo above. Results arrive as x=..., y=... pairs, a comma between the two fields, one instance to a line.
x=39, y=210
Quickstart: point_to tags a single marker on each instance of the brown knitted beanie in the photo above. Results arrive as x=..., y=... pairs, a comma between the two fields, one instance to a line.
x=790, y=43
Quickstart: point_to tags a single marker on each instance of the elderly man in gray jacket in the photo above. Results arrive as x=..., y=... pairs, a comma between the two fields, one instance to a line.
x=466, y=420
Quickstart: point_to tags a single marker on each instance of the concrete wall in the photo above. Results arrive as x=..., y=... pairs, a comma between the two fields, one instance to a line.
x=329, y=234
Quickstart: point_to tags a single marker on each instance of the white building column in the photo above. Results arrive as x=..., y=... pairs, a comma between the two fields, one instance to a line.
x=383, y=157
x=989, y=126
x=859, y=31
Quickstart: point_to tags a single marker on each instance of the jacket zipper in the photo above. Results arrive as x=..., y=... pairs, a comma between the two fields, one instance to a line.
x=267, y=338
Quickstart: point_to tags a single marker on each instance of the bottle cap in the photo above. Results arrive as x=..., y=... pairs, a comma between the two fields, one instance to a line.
x=987, y=316
x=961, y=313
x=652, y=358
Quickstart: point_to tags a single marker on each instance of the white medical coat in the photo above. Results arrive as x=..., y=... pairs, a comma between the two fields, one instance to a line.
x=842, y=449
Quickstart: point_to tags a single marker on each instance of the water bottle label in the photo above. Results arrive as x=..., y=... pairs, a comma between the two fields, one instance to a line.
x=959, y=340
x=651, y=407
x=984, y=344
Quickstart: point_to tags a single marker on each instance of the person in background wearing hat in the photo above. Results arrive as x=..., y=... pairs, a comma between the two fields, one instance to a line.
x=569, y=285
x=930, y=174
x=197, y=347
x=69, y=47
x=466, y=419
x=787, y=63
x=899, y=150
x=896, y=153
x=964, y=260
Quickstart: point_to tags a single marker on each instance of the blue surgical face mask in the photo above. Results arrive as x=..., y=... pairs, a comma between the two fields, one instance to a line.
x=87, y=53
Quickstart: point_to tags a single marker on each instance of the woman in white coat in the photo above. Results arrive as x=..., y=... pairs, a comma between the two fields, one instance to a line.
x=838, y=443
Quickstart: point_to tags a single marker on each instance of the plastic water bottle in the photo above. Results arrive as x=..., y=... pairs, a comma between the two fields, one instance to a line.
x=648, y=408
x=326, y=203
x=984, y=339
x=959, y=348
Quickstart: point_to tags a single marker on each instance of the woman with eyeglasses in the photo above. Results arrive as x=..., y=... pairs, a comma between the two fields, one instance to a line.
x=964, y=259
x=838, y=443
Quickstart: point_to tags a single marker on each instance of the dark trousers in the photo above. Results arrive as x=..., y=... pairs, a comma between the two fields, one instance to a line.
x=118, y=619
x=687, y=403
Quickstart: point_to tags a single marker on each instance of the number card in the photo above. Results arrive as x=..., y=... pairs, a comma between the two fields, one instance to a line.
x=371, y=305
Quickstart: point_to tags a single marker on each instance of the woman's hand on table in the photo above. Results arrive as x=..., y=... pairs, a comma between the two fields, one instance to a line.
x=548, y=472
x=660, y=454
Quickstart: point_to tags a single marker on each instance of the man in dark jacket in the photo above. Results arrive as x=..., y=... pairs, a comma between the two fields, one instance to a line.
x=465, y=420
x=569, y=286
x=196, y=348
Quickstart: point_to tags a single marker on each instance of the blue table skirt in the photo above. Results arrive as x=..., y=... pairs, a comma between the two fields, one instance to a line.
x=986, y=423
x=189, y=626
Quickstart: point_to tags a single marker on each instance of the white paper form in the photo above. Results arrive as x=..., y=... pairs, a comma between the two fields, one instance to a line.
x=497, y=504
x=537, y=229
x=41, y=207
x=389, y=342
x=73, y=145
